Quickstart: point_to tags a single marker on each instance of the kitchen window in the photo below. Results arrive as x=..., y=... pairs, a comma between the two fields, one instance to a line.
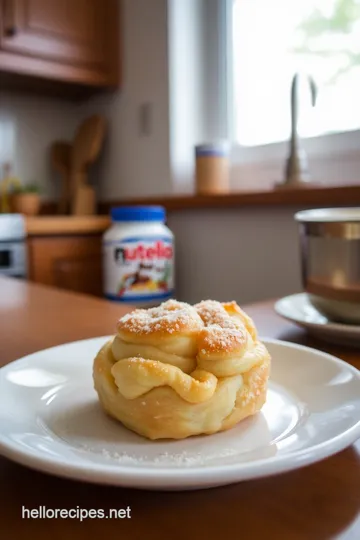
x=266, y=44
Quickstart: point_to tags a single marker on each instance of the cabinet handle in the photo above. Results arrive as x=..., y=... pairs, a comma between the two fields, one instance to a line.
x=9, y=18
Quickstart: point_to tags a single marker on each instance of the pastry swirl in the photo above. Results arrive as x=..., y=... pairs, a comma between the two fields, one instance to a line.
x=179, y=370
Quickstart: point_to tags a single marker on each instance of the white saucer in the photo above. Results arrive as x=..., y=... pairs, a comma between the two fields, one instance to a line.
x=50, y=420
x=298, y=309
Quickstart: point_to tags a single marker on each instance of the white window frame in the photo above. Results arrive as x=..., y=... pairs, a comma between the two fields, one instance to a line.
x=333, y=159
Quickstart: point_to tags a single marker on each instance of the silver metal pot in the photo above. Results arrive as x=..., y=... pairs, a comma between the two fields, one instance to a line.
x=330, y=255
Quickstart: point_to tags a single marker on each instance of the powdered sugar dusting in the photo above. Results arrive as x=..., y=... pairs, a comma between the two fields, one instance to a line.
x=216, y=327
x=170, y=317
x=177, y=459
x=220, y=339
x=213, y=312
x=221, y=332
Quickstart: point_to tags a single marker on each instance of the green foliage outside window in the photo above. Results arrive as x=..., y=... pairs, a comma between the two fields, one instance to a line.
x=314, y=33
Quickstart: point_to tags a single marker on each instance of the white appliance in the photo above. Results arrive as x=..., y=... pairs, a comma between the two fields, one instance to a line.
x=13, y=245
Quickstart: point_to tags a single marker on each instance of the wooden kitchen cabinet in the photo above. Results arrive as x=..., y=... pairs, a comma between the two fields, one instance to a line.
x=67, y=262
x=67, y=40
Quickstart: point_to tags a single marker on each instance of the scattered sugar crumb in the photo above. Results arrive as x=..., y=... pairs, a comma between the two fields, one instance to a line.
x=163, y=458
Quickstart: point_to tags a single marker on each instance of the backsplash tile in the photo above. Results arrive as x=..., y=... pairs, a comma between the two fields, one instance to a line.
x=28, y=126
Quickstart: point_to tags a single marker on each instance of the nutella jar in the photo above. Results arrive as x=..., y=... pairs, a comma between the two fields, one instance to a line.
x=138, y=256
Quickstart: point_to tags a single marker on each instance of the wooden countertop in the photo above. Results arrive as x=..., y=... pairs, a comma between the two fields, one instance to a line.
x=319, y=502
x=56, y=225
x=314, y=196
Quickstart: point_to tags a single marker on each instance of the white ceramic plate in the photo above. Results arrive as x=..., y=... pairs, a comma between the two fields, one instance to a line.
x=298, y=309
x=50, y=420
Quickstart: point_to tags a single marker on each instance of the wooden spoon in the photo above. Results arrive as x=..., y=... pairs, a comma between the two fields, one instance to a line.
x=61, y=161
x=86, y=148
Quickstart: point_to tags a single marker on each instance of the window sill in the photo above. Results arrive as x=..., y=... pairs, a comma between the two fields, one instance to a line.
x=314, y=196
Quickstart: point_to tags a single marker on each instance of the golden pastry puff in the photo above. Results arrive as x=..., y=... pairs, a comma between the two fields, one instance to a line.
x=178, y=370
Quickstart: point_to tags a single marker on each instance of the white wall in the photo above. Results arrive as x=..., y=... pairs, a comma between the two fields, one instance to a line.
x=243, y=254
x=186, y=69
x=134, y=163
x=28, y=126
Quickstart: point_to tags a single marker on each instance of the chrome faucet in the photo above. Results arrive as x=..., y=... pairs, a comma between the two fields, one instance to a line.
x=296, y=171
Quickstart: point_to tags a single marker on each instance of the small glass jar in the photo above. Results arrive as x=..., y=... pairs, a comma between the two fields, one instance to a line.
x=138, y=256
x=212, y=168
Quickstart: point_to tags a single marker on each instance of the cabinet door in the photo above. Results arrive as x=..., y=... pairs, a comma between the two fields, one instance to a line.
x=73, y=263
x=69, y=31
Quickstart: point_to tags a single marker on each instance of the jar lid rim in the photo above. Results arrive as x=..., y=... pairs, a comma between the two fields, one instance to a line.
x=138, y=213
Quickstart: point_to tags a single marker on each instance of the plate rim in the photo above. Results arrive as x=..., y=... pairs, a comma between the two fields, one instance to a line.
x=325, y=326
x=182, y=477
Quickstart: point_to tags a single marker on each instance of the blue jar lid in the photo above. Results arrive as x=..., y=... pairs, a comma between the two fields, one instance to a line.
x=138, y=213
x=220, y=149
